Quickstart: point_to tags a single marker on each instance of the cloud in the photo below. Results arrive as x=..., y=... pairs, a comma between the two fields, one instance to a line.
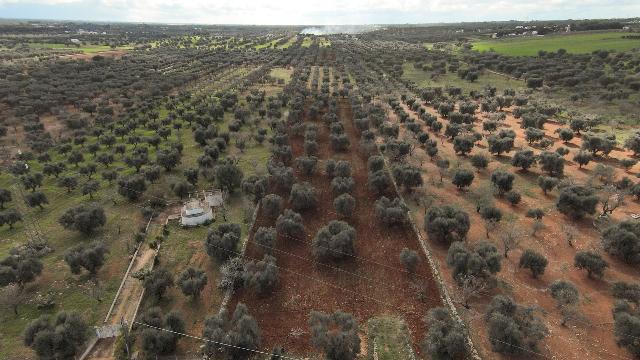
x=324, y=12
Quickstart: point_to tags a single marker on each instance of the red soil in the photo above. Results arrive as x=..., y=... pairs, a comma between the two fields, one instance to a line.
x=588, y=338
x=371, y=285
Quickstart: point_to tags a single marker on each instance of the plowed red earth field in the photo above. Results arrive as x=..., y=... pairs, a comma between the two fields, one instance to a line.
x=369, y=285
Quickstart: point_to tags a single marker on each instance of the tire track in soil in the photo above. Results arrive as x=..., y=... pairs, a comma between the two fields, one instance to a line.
x=283, y=315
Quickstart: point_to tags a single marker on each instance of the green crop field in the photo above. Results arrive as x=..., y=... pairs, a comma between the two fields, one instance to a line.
x=573, y=43
x=87, y=49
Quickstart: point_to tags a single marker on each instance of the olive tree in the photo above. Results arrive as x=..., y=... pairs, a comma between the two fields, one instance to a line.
x=262, y=276
x=391, y=212
x=533, y=261
x=290, y=224
x=60, y=337
x=344, y=205
x=576, y=201
x=445, y=338
x=192, y=281
x=222, y=242
x=592, y=262
x=623, y=241
x=303, y=196
x=446, y=224
x=334, y=241
x=83, y=218
x=335, y=334
x=513, y=328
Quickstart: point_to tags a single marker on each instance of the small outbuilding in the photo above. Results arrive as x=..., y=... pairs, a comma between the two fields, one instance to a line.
x=195, y=212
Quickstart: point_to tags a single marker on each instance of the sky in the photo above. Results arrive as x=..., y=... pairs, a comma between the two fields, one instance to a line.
x=315, y=12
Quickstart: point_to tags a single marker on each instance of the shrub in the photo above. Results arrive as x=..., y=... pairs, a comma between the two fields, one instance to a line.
x=564, y=292
x=303, y=196
x=446, y=224
x=222, y=242
x=533, y=261
x=334, y=241
x=290, y=223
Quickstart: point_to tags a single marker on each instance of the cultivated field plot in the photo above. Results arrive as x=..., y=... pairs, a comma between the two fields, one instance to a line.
x=370, y=285
x=580, y=43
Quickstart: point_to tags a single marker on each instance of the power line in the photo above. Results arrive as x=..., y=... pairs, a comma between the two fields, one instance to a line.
x=214, y=342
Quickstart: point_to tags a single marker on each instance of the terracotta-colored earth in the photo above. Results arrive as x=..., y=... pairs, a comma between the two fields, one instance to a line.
x=591, y=336
x=370, y=285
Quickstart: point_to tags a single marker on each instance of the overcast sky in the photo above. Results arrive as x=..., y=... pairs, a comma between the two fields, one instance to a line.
x=321, y=12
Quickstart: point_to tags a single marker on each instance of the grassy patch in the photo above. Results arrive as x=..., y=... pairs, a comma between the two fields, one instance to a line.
x=282, y=73
x=577, y=43
x=87, y=49
x=390, y=334
x=423, y=79
x=307, y=41
x=291, y=41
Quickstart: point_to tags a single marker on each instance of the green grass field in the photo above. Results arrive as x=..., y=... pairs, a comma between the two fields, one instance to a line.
x=87, y=49
x=573, y=43
x=423, y=79
x=307, y=41
x=391, y=337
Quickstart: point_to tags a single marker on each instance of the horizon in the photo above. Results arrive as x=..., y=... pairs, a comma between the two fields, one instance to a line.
x=313, y=13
